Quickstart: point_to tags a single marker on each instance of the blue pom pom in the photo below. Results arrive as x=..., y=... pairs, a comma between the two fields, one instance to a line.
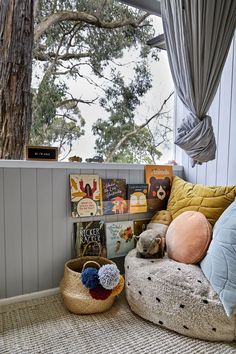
x=89, y=278
x=109, y=276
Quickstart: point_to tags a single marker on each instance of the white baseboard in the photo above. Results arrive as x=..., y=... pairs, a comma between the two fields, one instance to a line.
x=30, y=296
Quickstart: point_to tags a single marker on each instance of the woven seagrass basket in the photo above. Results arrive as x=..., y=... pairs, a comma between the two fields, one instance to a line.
x=76, y=297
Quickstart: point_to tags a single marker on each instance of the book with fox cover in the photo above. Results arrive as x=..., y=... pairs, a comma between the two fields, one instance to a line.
x=85, y=195
x=113, y=196
x=119, y=238
x=159, y=180
x=137, y=198
x=90, y=238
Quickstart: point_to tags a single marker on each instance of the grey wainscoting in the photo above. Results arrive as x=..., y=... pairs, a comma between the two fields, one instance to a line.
x=36, y=228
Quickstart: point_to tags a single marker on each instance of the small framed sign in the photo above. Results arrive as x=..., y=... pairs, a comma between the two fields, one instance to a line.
x=41, y=153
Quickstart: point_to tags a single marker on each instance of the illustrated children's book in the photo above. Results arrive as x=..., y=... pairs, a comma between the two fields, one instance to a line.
x=113, y=196
x=119, y=238
x=137, y=198
x=159, y=179
x=90, y=238
x=85, y=195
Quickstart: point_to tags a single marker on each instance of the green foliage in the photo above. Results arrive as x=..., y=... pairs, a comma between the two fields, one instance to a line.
x=138, y=148
x=49, y=126
x=120, y=101
x=101, y=44
x=100, y=50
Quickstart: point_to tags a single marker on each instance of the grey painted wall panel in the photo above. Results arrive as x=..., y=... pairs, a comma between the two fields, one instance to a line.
x=192, y=173
x=222, y=170
x=29, y=230
x=139, y=176
x=35, y=208
x=59, y=221
x=214, y=112
x=2, y=238
x=124, y=174
x=101, y=173
x=182, y=112
x=45, y=228
x=201, y=173
x=224, y=121
x=133, y=176
x=232, y=144
x=111, y=173
x=13, y=236
x=179, y=107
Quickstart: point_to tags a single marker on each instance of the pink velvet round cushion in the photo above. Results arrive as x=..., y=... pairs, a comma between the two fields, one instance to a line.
x=188, y=237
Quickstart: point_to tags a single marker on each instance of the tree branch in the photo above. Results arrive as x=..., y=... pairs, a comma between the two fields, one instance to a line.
x=73, y=102
x=55, y=18
x=158, y=113
x=67, y=56
x=69, y=70
x=64, y=115
x=136, y=130
x=65, y=156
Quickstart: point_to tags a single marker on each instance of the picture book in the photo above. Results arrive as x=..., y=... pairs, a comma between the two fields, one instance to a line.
x=90, y=238
x=140, y=226
x=159, y=179
x=113, y=196
x=85, y=195
x=119, y=238
x=137, y=198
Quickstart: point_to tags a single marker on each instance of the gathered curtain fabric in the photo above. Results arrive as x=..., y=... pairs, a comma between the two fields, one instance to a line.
x=198, y=34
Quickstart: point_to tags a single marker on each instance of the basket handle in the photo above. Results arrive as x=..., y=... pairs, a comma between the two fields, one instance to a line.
x=89, y=243
x=93, y=264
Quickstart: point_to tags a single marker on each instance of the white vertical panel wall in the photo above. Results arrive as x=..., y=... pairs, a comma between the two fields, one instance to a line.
x=36, y=227
x=221, y=171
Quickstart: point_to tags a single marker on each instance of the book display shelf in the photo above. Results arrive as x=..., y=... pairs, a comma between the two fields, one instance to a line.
x=93, y=199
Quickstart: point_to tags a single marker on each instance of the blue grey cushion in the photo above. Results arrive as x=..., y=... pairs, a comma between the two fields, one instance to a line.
x=219, y=265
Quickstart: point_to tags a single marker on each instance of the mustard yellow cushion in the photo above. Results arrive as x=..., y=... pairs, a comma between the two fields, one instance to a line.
x=188, y=237
x=210, y=201
x=162, y=217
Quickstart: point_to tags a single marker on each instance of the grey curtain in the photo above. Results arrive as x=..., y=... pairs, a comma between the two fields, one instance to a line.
x=198, y=34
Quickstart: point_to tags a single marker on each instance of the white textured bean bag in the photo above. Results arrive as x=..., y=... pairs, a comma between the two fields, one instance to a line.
x=176, y=296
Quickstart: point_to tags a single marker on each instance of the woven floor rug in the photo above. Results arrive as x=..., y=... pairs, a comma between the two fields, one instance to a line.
x=44, y=326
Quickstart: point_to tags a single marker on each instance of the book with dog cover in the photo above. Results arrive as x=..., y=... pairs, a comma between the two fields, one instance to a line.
x=137, y=197
x=113, y=196
x=159, y=180
x=90, y=238
x=85, y=195
x=119, y=238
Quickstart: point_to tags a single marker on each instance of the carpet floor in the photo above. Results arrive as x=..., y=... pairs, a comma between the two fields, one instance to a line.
x=44, y=326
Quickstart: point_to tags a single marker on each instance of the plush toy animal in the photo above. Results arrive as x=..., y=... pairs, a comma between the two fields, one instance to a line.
x=151, y=244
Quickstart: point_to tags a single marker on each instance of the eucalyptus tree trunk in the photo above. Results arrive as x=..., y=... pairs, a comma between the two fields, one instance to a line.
x=16, y=42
